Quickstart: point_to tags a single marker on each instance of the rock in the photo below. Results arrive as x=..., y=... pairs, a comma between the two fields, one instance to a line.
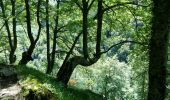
x=13, y=92
x=9, y=88
x=8, y=76
x=7, y=70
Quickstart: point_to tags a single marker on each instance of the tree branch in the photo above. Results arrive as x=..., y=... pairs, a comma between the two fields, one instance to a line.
x=121, y=43
x=121, y=4
x=14, y=25
x=55, y=36
x=70, y=51
x=78, y=4
x=38, y=20
x=1, y=51
x=11, y=17
x=6, y=24
x=59, y=29
x=90, y=5
x=28, y=20
x=2, y=26
x=61, y=51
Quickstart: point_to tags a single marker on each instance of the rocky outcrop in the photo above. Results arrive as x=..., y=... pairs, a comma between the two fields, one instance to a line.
x=13, y=92
x=9, y=87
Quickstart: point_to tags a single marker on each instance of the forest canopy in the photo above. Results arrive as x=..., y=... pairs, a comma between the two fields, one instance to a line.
x=115, y=48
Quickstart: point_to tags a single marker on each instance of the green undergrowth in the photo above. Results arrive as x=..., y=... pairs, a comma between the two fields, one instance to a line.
x=45, y=86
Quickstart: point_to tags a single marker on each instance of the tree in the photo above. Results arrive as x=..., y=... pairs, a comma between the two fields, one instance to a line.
x=51, y=55
x=26, y=55
x=12, y=57
x=49, y=68
x=70, y=63
x=158, y=49
x=12, y=42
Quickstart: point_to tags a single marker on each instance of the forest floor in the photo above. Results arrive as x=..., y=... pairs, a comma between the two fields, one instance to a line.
x=25, y=83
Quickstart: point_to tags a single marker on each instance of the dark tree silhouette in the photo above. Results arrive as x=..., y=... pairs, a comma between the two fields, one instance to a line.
x=26, y=56
x=69, y=64
x=12, y=42
x=158, y=49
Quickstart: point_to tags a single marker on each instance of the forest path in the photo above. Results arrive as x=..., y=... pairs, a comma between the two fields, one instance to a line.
x=9, y=87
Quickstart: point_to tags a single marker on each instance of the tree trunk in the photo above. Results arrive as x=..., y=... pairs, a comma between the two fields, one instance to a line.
x=65, y=72
x=67, y=69
x=12, y=43
x=49, y=69
x=12, y=56
x=26, y=56
x=158, y=50
x=54, y=38
x=85, y=26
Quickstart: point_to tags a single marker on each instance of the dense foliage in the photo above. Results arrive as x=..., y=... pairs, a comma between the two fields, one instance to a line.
x=100, y=45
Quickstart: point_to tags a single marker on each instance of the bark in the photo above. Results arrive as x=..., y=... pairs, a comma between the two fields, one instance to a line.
x=12, y=57
x=99, y=28
x=158, y=50
x=48, y=39
x=28, y=21
x=26, y=56
x=54, y=46
x=65, y=71
x=85, y=26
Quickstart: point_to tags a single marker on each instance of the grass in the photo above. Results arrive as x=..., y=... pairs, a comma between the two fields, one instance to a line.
x=41, y=83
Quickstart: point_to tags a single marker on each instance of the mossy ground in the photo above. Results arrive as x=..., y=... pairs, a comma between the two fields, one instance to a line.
x=43, y=86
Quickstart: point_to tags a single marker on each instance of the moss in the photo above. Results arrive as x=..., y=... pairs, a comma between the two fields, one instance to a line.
x=40, y=86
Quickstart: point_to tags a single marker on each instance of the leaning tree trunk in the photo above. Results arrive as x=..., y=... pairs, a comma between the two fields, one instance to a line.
x=67, y=69
x=26, y=56
x=158, y=50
